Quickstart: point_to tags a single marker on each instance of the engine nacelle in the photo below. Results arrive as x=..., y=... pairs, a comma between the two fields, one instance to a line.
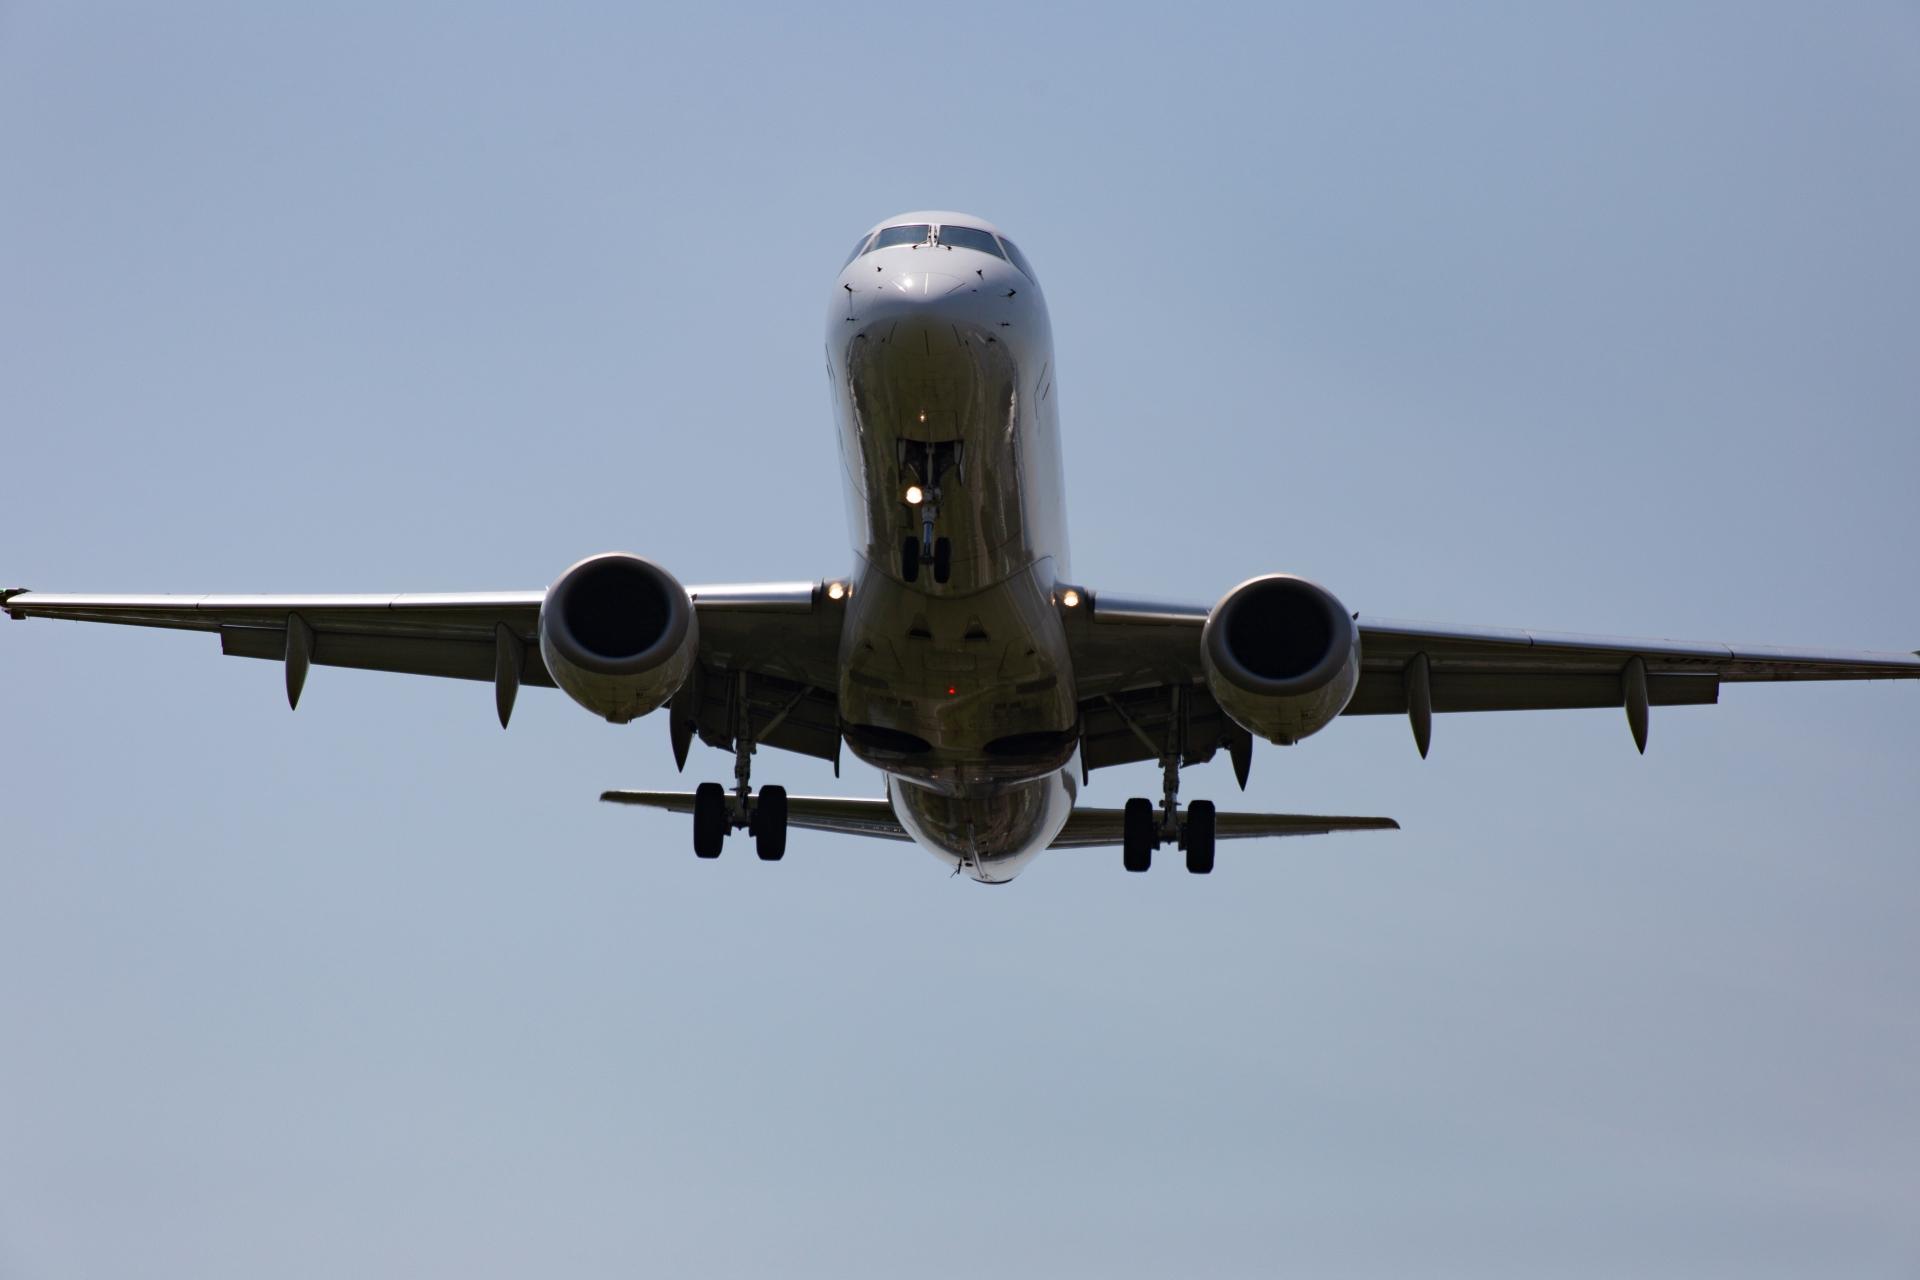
x=618, y=634
x=1282, y=656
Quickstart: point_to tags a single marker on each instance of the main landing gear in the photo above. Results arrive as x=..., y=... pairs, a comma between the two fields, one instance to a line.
x=1142, y=831
x=715, y=814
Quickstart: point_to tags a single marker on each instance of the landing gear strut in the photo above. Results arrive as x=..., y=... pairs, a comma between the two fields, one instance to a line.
x=1192, y=831
x=928, y=463
x=764, y=815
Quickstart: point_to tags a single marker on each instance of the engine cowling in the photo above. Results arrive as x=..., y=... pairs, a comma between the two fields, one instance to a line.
x=1282, y=656
x=618, y=634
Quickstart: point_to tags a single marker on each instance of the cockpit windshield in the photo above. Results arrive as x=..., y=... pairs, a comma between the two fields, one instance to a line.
x=1019, y=260
x=917, y=234
x=913, y=233
x=970, y=238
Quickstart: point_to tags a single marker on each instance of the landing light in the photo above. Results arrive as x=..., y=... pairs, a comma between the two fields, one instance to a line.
x=836, y=591
x=915, y=495
x=1070, y=598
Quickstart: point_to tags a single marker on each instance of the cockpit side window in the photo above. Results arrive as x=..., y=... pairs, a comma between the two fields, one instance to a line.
x=1019, y=260
x=859, y=247
x=970, y=238
x=913, y=233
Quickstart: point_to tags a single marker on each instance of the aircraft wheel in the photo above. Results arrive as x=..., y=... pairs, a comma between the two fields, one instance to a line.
x=942, y=559
x=1137, y=837
x=770, y=824
x=709, y=819
x=910, y=559
x=1199, y=837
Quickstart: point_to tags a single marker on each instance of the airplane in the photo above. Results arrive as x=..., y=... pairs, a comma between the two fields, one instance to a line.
x=959, y=655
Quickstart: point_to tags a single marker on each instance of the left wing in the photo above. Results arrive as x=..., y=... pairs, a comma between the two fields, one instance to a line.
x=1085, y=829
x=1130, y=655
x=442, y=634
x=765, y=649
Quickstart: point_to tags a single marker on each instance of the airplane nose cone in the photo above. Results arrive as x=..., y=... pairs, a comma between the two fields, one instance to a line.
x=905, y=294
x=920, y=284
x=905, y=291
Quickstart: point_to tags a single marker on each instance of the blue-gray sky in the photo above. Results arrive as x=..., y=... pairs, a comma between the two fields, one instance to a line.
x=1600, y=318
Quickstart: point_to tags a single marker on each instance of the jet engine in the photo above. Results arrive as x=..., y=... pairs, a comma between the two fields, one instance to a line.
x=1282, y=656
x=618, y=634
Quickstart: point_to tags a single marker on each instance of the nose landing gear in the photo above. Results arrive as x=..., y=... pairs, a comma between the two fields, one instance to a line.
x=926, y=550
x=924, y=465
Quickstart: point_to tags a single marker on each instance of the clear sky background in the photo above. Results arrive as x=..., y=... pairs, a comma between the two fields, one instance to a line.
x=1600, y=319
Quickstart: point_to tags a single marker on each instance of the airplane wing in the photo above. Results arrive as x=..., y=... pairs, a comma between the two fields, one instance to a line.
x=1129, y=655
x=769, y=647
x=1085, y=829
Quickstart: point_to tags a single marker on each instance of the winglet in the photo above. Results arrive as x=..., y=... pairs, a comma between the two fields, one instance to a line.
x=8, y=595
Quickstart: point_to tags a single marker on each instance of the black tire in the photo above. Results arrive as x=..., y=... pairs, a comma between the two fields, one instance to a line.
x=910, y=559
x=770, y=824
x=709, y=819
x=1199, y=837
x=942, y=559
x=1137, y=835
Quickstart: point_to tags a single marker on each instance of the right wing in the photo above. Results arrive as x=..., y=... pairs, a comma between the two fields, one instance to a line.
x=1131, y=656
x=1085, y=829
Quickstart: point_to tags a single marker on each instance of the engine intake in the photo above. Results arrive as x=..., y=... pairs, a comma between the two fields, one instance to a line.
x=619, y=634
x=1282, y=656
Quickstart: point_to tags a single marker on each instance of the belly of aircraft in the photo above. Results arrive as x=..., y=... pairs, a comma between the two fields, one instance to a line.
x=966, y=681
x=936, y=402
x=957, y=684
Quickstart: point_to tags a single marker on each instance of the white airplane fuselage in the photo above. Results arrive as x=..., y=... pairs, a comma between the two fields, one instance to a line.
x=955, y=677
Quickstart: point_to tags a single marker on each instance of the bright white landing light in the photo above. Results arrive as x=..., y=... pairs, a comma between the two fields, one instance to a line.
x=915, y=495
